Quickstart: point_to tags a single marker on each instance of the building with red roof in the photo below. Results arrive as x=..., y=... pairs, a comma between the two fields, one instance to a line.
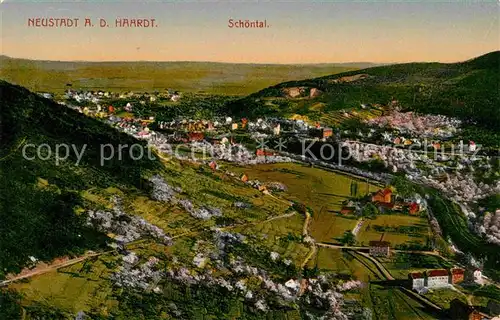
x=457, y=275
x=327, y=132
x=383, y=196
x=417, y=280
x=213, y=165
x=438, y=278
x=414, y=208
x=262, y=152
x=196, y=136
x=346, y=210
x=244, y=178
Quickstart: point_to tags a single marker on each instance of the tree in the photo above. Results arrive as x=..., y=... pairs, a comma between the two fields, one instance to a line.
x=348, y=238
x=10, y=304
x=369, y=210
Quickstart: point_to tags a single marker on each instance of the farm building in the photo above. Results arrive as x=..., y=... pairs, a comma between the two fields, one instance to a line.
x=414, y=208
x=327, y=132
x=473, y=275
x=262, y=152
x=380, y=248
x=196, y=136
x=417, y=280
x=437, y=278
x=213, y=165
x=383, y=196
x=457, y=275
x=244, y=178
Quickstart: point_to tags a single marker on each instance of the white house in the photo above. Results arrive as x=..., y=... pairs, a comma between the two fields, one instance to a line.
x=472, y=146
x=276, y=129
x=438, y=278
x=417, y=280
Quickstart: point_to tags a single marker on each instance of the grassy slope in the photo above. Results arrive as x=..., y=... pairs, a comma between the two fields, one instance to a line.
x=217, y=78
x=468, y=90
x=38, y=197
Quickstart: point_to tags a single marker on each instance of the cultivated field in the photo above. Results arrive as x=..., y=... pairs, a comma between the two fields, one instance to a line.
x=329, y=227
x=400, y=264
x=75, y=288
x=319, y=189
x=386, y=302
x=420, y=226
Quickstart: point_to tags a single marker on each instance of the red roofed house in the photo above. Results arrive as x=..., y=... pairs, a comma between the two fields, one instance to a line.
x=196, y=136
x=262, y=152
x=417, y=280
x=414, y=208
x=346, y=210
x=472, y=146
x=244, y=178
x=437, y=278
x=213, y=165
x=383, y=196
x=380, y=248
x=327, y=132
x=457, y=275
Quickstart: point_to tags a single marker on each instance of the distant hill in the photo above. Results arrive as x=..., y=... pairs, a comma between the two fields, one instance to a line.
x=468, y=90
x=210, y=77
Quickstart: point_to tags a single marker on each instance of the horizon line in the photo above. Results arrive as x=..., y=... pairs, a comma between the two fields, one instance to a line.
x=202, y=61
x=247, y=63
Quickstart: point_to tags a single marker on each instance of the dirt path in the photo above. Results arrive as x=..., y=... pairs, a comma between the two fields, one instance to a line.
x=358, y=226
x=305, y=233
x=51, y=267
x=283, y=216
x=311, y=254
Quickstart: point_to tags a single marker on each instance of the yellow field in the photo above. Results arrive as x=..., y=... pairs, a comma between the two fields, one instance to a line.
x=319, y=189
x=73, y=288
x=342, y=262
x=327, y=227
x=367, y=232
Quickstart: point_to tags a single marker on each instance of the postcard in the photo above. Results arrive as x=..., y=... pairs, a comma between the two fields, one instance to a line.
x=176, y=159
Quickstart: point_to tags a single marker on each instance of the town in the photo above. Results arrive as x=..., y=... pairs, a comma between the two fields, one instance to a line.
x=423, y=149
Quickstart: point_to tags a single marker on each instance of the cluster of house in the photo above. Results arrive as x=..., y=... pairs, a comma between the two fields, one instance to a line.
x=269, y=126
x=96, y=96
x=259, y=129
x=400, y=140
x=135, y=127
x=385, y=199
x=419, y=125
x=438, y=278
x=90, y=96
x=254, y=183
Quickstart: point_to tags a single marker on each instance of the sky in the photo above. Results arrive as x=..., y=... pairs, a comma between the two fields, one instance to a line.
x=298, y=32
